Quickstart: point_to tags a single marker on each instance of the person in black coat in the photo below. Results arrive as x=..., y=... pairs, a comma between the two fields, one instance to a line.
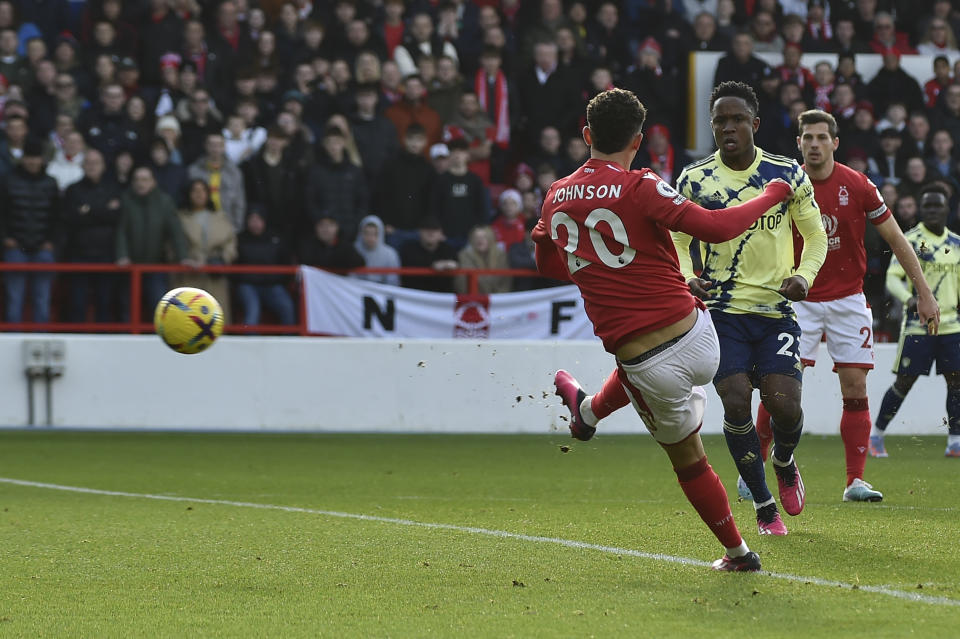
x=170, y=177
x=893, y=84
x=161, y=32
x=90, y=214
x=336, y=188
x=272, y=182
x=740, y=65
x=375, y=135
x=107, y=128
x=261, y=245
x=403, y=190
x=429, y=250
x=549, y=95
x=29, y=215
x=326, y=248
x=458, y=197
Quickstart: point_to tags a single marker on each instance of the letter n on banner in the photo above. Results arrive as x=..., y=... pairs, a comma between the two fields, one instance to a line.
x=386, y=316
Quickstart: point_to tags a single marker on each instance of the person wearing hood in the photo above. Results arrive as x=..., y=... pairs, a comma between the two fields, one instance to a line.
x=28, y=226
x=375, y=252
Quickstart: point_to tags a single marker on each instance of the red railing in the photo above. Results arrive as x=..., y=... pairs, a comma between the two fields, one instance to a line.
x=138, y=324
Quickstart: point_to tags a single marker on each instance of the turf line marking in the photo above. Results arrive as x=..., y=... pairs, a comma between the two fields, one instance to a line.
x=503, y=534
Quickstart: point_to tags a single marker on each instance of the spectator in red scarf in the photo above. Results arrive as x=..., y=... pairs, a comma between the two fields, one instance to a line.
x=886, y=37
x=665, y=159
x=494, y=93
x=825, y=81
x=818, y=34
x=393, y=27
x=792, y=71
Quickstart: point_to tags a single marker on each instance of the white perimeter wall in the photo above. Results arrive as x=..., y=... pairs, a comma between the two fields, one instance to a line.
x=329, y=384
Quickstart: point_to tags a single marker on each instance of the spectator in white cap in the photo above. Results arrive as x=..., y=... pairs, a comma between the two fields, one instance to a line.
x=440, y=157
x=168, y=130
x=508, y=227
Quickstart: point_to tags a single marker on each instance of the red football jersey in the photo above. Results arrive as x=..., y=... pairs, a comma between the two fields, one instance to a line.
x=847, y=200
x=612, y=226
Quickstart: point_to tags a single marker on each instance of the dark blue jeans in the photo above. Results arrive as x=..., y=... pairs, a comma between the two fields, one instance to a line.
x=103, y=287
x=273, y=296
x=154, y=286
x=16, y=285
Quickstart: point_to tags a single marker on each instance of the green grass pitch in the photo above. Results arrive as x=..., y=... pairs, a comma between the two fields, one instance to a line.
x=97, y=565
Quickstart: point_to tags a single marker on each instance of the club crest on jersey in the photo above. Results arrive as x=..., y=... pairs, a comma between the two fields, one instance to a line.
x=844, y=196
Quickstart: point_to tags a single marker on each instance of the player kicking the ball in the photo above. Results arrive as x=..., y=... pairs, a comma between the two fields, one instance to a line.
x=835, y=305
x=939, y=253
x=607, y=229
x=748, y=282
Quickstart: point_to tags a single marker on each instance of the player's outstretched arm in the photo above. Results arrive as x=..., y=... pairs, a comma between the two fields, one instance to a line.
x=547, y=254
x=726, y=224
x=927, y=307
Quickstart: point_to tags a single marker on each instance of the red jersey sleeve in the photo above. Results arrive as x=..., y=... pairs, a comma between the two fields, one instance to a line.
x=547, y=254
x=670, y=209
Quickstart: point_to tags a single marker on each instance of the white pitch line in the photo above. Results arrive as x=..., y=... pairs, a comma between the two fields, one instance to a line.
x=569, y=543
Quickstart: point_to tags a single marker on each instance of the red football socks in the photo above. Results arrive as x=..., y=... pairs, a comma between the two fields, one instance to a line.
x=705, y=492
x=855, y=433
x=764, y=432
x=611, y=397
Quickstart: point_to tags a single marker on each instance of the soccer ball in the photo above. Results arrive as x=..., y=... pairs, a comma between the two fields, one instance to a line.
x=188, y=320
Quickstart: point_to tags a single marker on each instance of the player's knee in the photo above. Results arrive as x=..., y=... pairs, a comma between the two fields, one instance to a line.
x=737, y=408
x=783, y=409
x=854, y=390
x=904, y=383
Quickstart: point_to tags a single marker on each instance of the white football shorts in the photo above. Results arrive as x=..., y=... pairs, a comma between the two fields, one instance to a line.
x=848, y=325
x=666, y=389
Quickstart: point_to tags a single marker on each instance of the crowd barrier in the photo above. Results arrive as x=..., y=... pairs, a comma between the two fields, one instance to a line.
x=137, y=323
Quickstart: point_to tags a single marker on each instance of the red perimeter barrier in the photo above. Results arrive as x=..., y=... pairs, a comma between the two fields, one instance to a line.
x=136, y=324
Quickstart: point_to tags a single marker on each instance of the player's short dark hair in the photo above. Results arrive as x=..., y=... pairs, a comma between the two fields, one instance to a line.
x=816, y=116
x=731, y=89
x=934, y=187
x=615, y=117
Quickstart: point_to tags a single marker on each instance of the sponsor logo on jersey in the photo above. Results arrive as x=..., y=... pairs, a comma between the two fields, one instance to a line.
x=830, y=225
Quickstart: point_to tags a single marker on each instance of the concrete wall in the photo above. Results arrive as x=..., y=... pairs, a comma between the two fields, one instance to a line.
x=326, y=384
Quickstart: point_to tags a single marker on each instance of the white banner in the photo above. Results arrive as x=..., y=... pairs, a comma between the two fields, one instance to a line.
x=350, y=307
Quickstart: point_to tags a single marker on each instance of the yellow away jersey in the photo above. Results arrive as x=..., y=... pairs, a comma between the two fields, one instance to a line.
x=748, y=270
x=939, y=257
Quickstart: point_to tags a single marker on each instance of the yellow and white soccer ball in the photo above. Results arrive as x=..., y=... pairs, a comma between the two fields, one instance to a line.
x=188, y=320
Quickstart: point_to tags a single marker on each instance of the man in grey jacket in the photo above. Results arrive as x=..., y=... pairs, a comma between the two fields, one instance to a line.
x=223, y=177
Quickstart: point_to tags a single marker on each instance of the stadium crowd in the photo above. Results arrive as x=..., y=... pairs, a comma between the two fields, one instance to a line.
x=344, y=133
